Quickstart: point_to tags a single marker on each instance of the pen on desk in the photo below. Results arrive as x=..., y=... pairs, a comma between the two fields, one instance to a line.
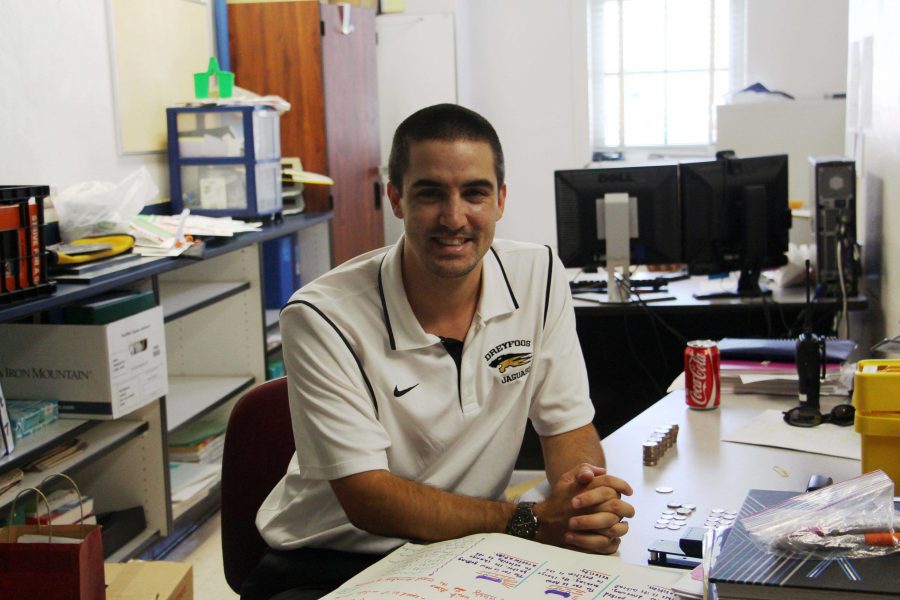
x=179, y=233
x=815, y=539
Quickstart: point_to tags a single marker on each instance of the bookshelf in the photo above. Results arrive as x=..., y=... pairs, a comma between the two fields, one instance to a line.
x=215, y=326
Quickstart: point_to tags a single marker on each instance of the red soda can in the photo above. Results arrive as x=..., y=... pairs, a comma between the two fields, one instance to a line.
x=701, y=374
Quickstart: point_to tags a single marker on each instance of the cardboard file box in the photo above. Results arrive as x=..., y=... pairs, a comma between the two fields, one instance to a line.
x=94, y=371
x=876, y=396
x=155, y=580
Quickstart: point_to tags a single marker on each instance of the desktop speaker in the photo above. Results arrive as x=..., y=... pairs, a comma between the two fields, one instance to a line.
x=833, y=217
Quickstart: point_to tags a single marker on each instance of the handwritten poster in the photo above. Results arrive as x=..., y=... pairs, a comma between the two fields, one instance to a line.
x=502, y=567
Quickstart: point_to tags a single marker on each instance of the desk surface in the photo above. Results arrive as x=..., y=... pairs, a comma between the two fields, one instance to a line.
x=684, y=301
x=703, y=470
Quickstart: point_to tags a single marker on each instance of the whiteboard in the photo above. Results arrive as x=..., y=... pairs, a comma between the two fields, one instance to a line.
x=155, y=46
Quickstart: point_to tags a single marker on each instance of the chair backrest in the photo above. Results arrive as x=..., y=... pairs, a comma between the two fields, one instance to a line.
x=259, y=443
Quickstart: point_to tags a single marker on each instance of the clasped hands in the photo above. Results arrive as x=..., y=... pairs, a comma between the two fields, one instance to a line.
x=584, y=511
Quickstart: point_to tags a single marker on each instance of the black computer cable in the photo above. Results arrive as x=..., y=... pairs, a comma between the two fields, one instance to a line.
x=786, y=330
x=841, y=317
x=767, y=315
x=682, y=339
x=677, y=334
x=655, y=329
x=657, y=388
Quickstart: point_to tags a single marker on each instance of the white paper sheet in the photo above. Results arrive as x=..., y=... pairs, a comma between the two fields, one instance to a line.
x=769, y=429
x=502, y=567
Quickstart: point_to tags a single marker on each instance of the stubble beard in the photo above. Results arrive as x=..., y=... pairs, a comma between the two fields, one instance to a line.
x=455, y=270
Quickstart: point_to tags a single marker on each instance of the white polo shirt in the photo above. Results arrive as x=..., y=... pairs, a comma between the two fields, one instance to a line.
x=370, y=389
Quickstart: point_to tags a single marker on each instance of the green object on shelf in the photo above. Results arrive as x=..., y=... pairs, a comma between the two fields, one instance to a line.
x=225, y=80
x=29, y=416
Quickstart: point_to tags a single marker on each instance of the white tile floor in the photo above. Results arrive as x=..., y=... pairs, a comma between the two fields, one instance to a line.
x=203, y=550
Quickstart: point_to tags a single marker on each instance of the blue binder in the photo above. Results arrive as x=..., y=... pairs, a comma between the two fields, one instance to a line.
x=281, y=270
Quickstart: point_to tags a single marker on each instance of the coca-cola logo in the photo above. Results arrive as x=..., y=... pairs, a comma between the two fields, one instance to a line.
x=698, y=366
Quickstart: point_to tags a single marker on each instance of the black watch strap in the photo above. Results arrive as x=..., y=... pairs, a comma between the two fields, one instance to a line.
x=523, y=523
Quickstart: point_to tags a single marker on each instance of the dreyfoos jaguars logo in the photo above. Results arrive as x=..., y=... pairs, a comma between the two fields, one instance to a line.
x=511, y=359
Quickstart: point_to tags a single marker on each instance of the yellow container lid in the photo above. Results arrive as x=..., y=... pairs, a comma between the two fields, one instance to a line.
x=876, y=386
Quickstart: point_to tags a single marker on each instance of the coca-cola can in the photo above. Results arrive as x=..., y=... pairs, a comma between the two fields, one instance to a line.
x=701, y=374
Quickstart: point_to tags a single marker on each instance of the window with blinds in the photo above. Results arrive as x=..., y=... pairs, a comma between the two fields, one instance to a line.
x=658, y=69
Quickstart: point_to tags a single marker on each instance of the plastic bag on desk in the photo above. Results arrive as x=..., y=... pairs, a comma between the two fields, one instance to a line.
x=850, y=519
x=95, y=208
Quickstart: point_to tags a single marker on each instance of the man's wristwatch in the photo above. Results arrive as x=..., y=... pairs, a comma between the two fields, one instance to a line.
x=523, y=523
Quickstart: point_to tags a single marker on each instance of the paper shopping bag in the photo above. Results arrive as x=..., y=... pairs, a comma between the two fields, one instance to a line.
x=48, y=569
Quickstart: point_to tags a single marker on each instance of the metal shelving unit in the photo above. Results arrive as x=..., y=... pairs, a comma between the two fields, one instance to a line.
x=216, y=349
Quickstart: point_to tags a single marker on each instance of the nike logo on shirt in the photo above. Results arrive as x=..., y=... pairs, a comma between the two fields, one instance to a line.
x=398, y=392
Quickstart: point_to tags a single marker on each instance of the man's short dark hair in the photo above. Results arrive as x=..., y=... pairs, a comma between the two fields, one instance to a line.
x=448, y=122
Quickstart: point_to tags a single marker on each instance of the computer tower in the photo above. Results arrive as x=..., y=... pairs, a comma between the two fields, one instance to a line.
x=833, y=217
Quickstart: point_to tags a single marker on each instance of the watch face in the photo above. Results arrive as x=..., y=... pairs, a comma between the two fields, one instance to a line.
x=523, y=523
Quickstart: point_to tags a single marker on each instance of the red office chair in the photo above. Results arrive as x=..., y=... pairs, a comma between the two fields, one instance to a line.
x=259, y=443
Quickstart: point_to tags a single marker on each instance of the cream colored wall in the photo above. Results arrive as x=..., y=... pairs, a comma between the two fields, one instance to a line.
x=873, y=139
x=798, y=46
x=56, y=99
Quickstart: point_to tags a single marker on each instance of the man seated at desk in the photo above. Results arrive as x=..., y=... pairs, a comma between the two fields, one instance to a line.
x=412, y=371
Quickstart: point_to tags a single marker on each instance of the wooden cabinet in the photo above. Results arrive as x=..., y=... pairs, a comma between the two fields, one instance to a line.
x=300, y=51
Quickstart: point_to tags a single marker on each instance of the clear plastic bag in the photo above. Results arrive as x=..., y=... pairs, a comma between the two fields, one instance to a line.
x=95, y=208
x=850, y=519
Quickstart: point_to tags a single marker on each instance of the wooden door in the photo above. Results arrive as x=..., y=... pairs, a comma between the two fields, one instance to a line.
x=351, y=123
x=276, y=48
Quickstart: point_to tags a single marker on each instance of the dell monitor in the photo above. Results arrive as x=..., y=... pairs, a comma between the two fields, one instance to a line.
x=735, y=217
x=636, y=207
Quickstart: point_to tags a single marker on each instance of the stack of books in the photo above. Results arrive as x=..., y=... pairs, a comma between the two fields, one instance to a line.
x=202, y=441
x=66, y=508
x=96, y=270
x=768, y=366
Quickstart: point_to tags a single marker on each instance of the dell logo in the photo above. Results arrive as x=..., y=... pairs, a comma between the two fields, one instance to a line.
x=614, y=177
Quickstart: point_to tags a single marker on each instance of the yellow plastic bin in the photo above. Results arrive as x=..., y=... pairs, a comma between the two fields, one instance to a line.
x=876, y=396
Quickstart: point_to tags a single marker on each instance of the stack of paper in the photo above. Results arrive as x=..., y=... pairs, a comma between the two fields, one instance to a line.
x=192, y=480
x=168, y=235
x=66, y=508
x=776, y=378
x=50, y=460
x=10, y=479
x=768, y=366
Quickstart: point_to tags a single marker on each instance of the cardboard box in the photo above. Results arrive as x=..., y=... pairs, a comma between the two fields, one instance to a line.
x=153, y=580
x=94, y=371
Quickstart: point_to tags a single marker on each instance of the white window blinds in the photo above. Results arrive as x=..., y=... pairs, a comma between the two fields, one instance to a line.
x=658, y=69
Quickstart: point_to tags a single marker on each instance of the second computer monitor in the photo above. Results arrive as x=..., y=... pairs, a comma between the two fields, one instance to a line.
x=735, y=217
x=654, y=223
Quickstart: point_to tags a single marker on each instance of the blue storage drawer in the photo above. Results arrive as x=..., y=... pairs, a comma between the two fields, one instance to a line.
x=225, y=160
